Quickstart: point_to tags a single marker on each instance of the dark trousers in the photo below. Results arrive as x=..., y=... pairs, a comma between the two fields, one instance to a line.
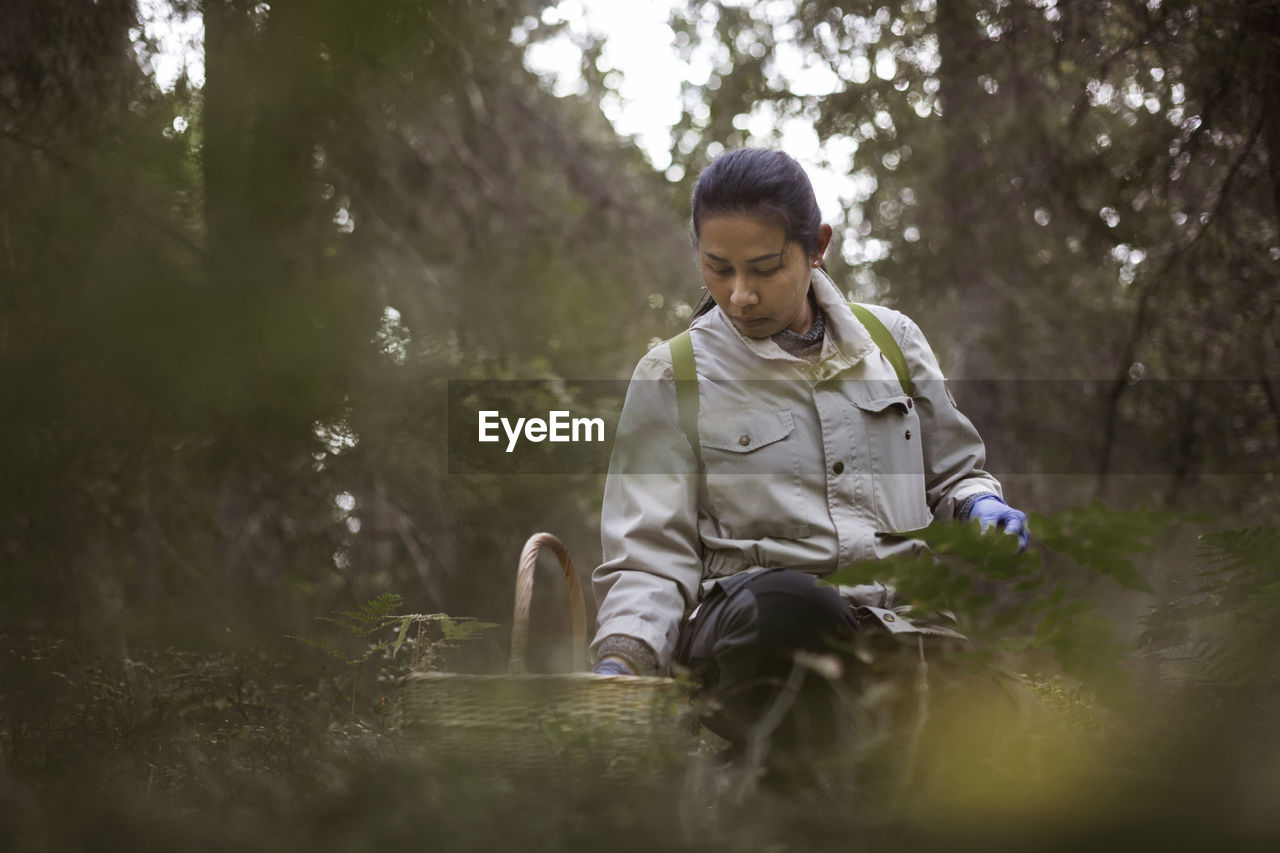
x=741, y=646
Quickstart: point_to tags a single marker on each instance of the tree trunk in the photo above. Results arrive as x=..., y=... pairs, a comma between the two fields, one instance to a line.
x=228, y=124
x=966, y=186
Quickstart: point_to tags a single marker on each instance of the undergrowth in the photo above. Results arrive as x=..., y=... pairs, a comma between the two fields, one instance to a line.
x=1044, y=734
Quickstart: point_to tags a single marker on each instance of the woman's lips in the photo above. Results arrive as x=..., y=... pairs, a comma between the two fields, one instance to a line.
x=750, y=322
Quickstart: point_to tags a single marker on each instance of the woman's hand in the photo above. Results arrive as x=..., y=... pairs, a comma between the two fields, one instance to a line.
x=991, y=510
x=613, y=665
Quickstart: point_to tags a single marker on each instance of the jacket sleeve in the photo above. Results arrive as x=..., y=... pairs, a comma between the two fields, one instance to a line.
x=648, y=522
x=953, y=451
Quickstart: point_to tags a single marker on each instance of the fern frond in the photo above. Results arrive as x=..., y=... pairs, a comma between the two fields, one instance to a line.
x=1241, y=550
x=321, y=645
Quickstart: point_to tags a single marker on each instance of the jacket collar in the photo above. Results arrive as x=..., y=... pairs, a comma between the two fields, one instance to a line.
x=848, y=338
x=844, y=343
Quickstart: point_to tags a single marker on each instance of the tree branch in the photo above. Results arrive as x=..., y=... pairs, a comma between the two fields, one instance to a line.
x=1151, y=284
x=83, y=179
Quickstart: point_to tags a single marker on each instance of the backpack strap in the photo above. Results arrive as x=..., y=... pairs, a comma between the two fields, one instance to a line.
x=686, y=375
x=887, y=343
x=685, y=371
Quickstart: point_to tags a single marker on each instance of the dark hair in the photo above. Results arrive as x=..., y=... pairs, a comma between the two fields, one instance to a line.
x=757, y=181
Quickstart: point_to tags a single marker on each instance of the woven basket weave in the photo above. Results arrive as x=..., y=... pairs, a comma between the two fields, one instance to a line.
x=545, y=722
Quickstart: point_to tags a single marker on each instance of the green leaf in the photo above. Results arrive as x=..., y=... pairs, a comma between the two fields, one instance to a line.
x=401, y=634
x=1103, y=540
x=324, y=647
x=456, y=629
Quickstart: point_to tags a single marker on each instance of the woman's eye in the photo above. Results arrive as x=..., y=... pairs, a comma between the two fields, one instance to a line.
x=729, y=270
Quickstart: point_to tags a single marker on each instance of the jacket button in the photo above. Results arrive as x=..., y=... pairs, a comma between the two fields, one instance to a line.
x=908, y=435
x=837, y=468
x=909, y=403
x=744, y=440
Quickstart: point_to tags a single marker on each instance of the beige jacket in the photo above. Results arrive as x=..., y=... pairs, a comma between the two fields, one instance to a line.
x=810, y=466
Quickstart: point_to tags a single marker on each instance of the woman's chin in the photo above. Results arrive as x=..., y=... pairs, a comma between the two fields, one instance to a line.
x=757, y=328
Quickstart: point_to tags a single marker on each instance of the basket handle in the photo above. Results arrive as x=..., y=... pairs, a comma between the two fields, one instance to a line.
x=524, y=597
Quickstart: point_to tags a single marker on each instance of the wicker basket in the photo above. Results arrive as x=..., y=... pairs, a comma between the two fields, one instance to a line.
x=522, y=722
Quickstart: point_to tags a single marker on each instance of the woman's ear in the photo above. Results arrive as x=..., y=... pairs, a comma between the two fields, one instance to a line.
x=824, y=240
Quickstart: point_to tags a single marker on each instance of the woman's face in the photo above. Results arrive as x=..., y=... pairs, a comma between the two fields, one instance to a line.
x=758, y=277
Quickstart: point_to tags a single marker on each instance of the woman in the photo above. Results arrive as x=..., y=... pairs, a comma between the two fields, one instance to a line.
x=807, y=451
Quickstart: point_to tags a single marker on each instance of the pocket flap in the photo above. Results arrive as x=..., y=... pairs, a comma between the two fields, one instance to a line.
x=900, y=403
x=743, y=429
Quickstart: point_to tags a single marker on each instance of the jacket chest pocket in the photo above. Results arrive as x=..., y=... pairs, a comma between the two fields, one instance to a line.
x=752, y=472
x=895, y=457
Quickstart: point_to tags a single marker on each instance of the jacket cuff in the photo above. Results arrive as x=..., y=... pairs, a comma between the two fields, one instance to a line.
x=642, y=659
x=964, y=507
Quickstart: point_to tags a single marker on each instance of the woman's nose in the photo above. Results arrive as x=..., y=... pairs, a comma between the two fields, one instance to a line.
x=743, y=295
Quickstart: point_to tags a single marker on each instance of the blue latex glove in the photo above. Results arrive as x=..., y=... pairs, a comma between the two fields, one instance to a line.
x=612, y=666
x=990, y=510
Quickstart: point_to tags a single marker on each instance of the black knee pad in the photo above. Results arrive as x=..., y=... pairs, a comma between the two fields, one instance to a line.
x=794, y=612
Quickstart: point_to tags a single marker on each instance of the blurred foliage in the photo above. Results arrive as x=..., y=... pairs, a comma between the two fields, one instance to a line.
x=258, y=748
x=1037, y=607
x=230, y=311
x=1219, y=635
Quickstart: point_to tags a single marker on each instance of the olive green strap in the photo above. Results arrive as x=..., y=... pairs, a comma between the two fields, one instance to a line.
x=887, y=343
x=686, y=376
